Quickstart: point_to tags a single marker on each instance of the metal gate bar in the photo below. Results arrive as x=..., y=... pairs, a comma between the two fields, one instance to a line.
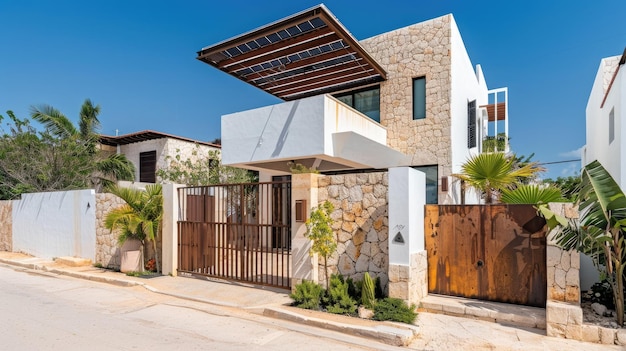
x=238, y=232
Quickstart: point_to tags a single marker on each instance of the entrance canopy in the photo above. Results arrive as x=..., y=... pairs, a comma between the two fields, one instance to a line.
x=305, y=54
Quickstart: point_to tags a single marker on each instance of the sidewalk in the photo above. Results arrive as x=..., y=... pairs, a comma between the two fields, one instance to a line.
x=433, y=331
x=268, y=301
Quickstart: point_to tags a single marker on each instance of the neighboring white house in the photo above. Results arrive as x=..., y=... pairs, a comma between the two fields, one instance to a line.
x=409, y=97
x=606, y=121
x=149, y=150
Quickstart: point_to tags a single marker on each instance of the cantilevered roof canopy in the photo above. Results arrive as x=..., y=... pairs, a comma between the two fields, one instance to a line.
x=305, y=54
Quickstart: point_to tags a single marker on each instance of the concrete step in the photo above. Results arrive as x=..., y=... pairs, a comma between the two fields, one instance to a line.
x=503, y=313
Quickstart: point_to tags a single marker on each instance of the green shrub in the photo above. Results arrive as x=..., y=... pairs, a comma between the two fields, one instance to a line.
x=354, y=289
x=307, y=295
x=338, y=299
x=392, y=309
x=367, y=293
x=378, y=292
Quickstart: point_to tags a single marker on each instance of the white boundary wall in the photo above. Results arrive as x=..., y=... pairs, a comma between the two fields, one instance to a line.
x=55, y=224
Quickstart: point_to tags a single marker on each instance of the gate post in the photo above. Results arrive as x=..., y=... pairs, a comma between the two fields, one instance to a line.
x=304, y=266
x=407, y=254
x=169, y=230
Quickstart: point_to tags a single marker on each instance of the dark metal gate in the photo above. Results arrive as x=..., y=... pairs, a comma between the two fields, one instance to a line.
x=237, y=232
x=488, y=252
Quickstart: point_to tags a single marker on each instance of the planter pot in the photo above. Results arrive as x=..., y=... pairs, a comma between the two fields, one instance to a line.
x=131, y=261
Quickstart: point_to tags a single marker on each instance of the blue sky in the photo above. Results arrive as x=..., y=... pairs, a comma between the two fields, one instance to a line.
x=137, y=59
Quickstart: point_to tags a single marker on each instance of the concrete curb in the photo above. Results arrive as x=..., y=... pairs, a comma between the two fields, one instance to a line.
x=391, y=334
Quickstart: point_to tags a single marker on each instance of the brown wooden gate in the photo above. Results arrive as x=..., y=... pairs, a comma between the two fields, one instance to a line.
x=237, y=232
x=487, y=252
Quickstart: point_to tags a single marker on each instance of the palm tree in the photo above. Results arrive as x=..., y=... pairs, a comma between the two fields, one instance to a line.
x=490, y=173
x=600, y=232
x=105, y=169
x=532, y=194
x=140, y=218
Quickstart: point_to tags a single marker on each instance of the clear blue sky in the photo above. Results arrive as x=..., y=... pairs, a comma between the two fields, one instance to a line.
x=137, y=59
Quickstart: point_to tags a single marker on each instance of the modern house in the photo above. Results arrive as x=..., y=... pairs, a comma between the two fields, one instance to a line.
x=149, y=150
x=409, y=97
x=606, y=121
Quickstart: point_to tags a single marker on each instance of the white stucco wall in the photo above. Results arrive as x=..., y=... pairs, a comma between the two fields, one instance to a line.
x=301, y=128
x=597, y=120
x=407, y=197
x=55, y=224
x=466, y=85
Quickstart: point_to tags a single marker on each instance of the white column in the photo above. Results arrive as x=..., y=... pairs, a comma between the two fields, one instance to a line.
x=169, y=230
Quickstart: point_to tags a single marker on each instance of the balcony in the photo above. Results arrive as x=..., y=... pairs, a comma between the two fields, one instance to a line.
x=318, y=132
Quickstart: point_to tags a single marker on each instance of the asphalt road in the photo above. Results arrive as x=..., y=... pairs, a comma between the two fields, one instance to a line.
x=41, y=311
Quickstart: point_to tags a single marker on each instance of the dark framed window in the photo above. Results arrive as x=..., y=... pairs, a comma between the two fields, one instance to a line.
x=147, y=167
x=419, y=98
x=432, y=194
x=366, y=101
x=471, y=124
x=612, y=125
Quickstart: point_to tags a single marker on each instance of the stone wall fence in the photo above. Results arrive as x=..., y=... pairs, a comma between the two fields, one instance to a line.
x=360, y=222
x=564, y=315
x=6, y=226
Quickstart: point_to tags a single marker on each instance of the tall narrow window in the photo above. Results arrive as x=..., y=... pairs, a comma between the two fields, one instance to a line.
x=419, y=98
x=147, y=167
x=471, y=124
x=612, y=125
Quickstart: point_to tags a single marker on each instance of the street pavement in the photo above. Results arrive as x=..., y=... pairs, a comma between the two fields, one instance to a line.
x=430, y=332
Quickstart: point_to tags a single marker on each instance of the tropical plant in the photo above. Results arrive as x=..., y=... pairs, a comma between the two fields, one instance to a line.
x=570, y=186
x=600, y=231
x=490, y=173
x=320, y=232
x=140, y=218
x=102, y=171
x=531, y=194
x=494, y=144
x=203, y=169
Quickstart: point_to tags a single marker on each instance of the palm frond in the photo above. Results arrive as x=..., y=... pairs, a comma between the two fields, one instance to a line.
x=117, y=166
x=54, y=121
x=531, y=194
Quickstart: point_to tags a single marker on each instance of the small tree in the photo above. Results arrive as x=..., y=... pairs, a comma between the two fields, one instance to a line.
x=320, y=232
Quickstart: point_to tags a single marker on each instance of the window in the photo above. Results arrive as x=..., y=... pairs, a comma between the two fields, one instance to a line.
x=366, y=101
x=471, y=124
x=612, y=125
x=147, y=167
x=432, y=196
x=419, y=98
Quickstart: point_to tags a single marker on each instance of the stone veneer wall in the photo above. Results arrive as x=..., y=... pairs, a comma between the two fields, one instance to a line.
x=361, y=224
x=419, y=50
x=107, y=250
x=410, y=283
x=564, y=316
x=6, y=226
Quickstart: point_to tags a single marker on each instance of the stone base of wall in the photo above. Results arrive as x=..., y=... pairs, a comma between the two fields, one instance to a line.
x=410, y=283
x=565, y=320
x=6, y=226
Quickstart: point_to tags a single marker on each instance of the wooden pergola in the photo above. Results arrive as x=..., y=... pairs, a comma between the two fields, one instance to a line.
x=306, y=54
